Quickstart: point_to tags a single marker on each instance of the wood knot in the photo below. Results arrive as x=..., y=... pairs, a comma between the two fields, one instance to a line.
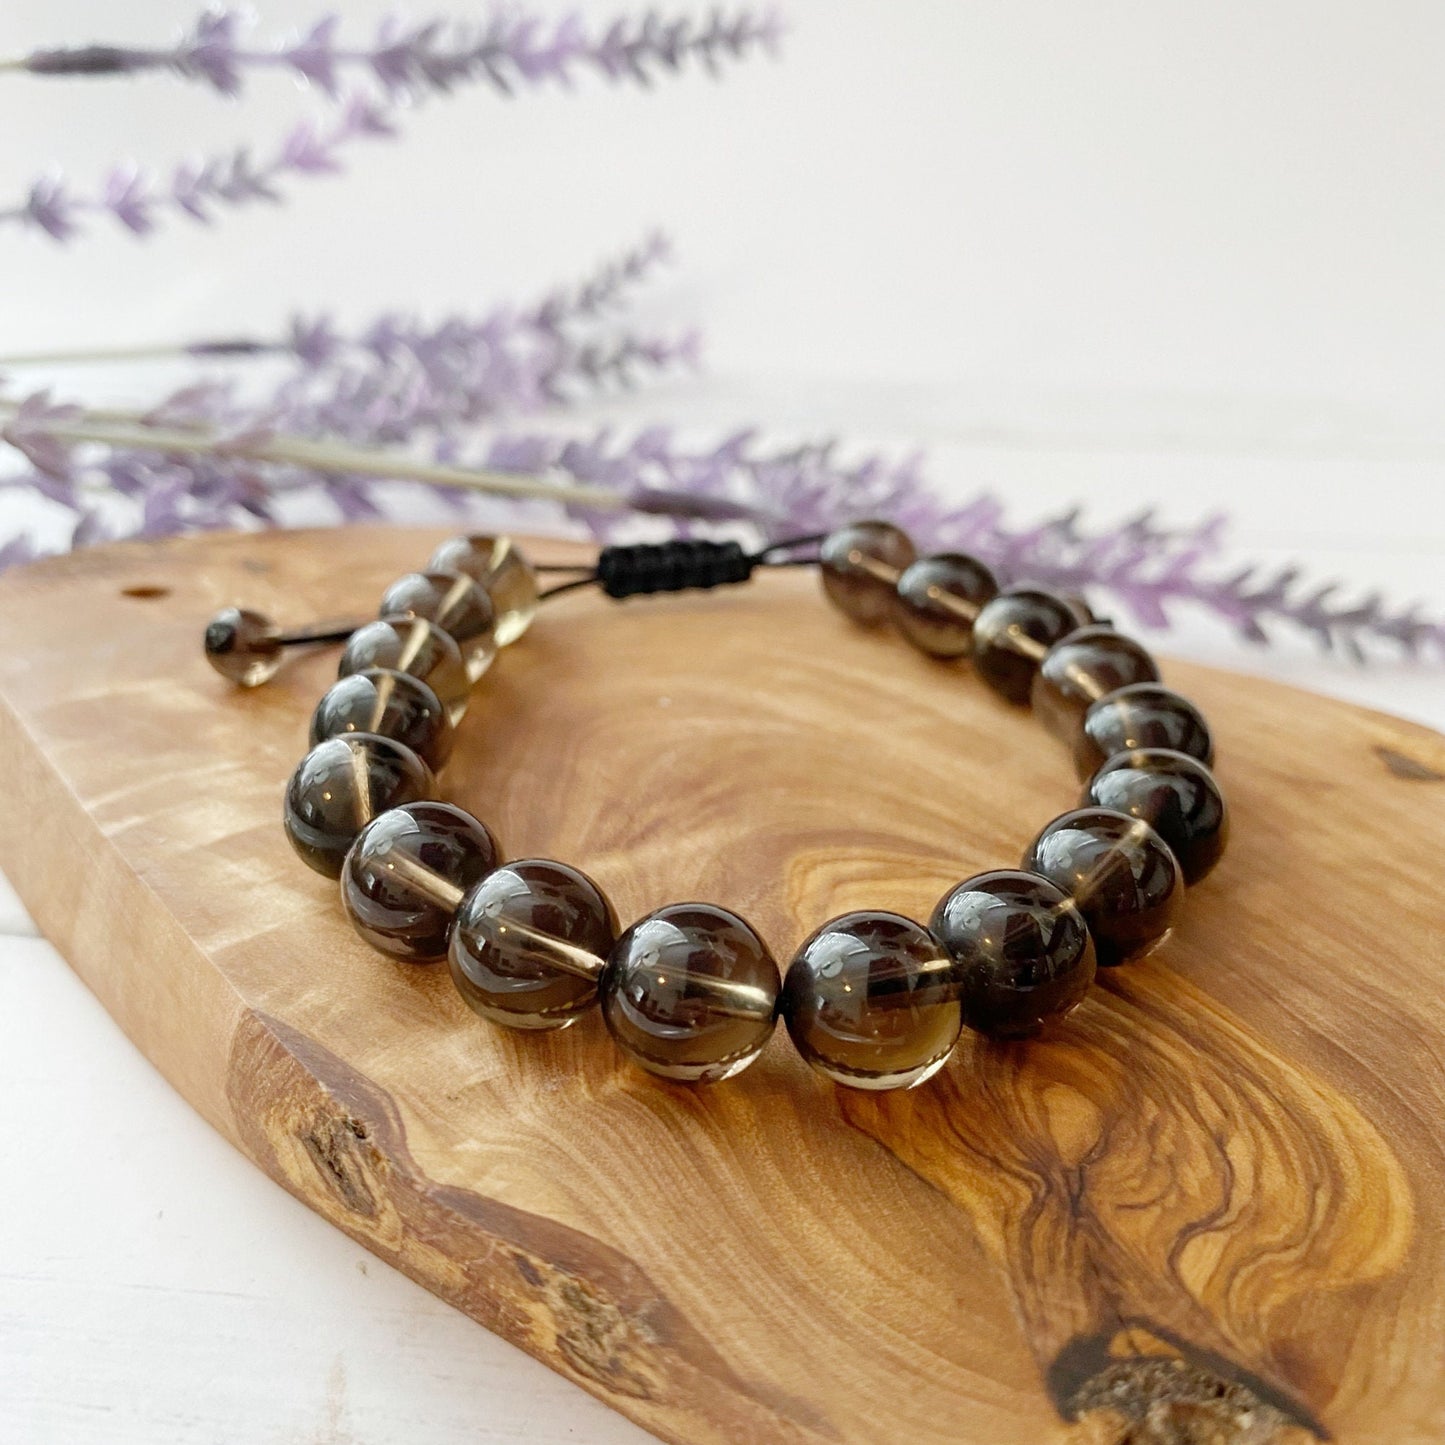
x=1412, y=770
x=1155, y=1400
x=595, y=1335
x=335, y=1144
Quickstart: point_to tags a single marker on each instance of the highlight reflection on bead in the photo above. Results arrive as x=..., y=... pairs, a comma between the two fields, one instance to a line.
x=1012, y=634
x=416, y=646
x=1080, y=669
x=340, y=786
x=456, y=604
x=1120, y=872
x=860, y=566
x=1141, y=715
x=243, y=646
x=506, y=576
x=690, y=993
x=870, y=1001
x=391, y=704
x=1021, y=949
x=530, y=943
x=937, y=600
x=407, y=873
x=1176, y=795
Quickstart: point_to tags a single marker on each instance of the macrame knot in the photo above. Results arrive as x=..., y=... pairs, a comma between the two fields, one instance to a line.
x=671, y=566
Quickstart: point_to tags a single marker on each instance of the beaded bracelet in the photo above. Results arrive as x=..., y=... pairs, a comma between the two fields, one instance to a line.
x=872, y=1000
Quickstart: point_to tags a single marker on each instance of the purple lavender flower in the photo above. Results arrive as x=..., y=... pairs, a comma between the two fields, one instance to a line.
x=512, y=48
x=1148, y=568
x=407, y=62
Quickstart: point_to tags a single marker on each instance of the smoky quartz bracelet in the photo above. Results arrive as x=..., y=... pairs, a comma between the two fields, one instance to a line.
x=872, y=1000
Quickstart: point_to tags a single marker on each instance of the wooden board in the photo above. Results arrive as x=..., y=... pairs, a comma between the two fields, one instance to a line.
x=1210, y=1209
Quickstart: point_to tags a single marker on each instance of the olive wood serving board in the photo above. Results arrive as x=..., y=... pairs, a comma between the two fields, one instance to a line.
x=1209, y=1208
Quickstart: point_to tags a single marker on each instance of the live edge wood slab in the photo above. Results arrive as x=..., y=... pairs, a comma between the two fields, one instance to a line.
x=1211, y=1208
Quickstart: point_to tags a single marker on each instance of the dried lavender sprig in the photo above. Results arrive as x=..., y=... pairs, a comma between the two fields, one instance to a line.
x=315, y=339
x=45, y=433
x=511, y=49
x=1148, y=568
x=426, y=58
x=197, y=188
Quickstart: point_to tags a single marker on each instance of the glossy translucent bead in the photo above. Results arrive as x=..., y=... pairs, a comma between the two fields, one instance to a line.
x=390, y=704
x=1079, y=670
x=416, y=646
x=860, y=566
x=456, y=604
x=407, y=873
x=1120, y=872
x=530, y=943
x=1176, y=795
x=243, y=646
x=869, y=1002
x=1141, y=715
x=1021, y=951
x=1012, y=634
x=938, y=598
x=503, y=573
x=340, y=786
x=691, y=993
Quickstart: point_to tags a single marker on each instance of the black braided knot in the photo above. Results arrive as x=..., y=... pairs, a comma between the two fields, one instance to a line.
x=671, y=566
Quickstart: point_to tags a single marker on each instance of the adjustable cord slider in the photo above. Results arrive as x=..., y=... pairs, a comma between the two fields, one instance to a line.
x=675, y=566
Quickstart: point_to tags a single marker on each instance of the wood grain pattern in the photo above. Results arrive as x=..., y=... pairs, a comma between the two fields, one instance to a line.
x=1211, y=1209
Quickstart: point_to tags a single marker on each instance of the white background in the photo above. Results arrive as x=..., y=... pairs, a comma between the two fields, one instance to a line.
x=1116, y=253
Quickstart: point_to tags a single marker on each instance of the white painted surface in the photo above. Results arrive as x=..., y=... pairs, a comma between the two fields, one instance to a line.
x=1120, y=253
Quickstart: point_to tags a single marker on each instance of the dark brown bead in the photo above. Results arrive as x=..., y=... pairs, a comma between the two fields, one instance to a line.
x=870, y=1003
x=1021, y=951
x=1012, y=634
x=243, y=647
x=938, y=598
x=1080, y=669
x=340, y=786
x=1176, y=795
x=407, y=873
x=1119, y=871
x=390, y=704
x=415, y=646
x=529, y=944
x=1141, y=715
x=690, y=992
x=502, y=571
x=456, y=604
x=860, y=566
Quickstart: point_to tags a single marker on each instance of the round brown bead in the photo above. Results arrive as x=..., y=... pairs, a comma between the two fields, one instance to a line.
x=869, y=1001
x=1080, y=669
x=860, y=566
x=1174, y=794
x=407, y=873
x=390, y=704
x=1012, y=634
x=691, y=993
x=416, y=646
x=1021, y=951
x=340, y=786
x=530, y=943
x=503, y=573
x=1119, y=871
x=243, y=646
x=1141, y=715
x=937, y=599
x=456, y=604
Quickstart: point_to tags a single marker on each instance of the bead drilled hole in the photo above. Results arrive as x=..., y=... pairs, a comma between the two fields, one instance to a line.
x=146, y=591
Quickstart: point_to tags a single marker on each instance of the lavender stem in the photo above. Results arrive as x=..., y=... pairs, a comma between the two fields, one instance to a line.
x=160, y=351
x=118, y=428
